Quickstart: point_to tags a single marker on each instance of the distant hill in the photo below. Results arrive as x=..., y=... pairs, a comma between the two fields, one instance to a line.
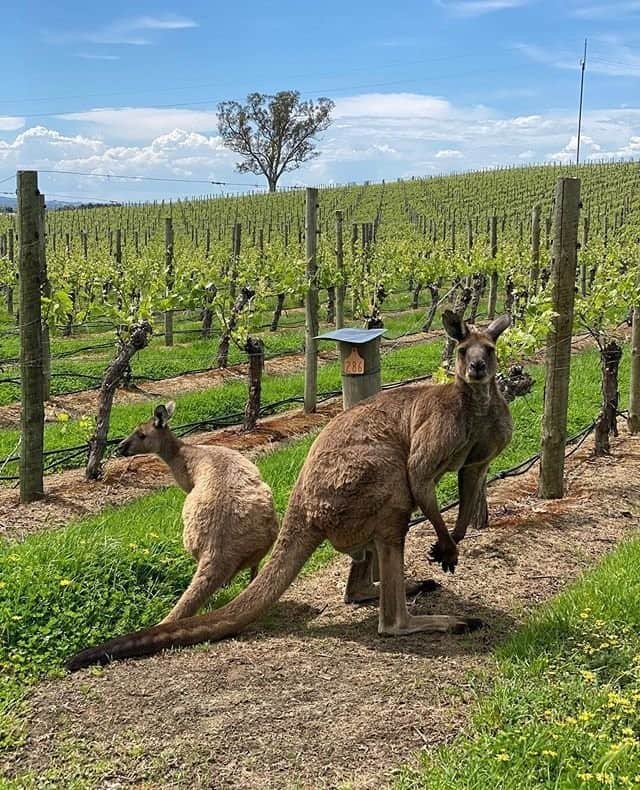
x=9, y=204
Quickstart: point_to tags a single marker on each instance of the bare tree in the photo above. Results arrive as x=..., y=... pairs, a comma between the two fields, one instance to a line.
x=273, y=134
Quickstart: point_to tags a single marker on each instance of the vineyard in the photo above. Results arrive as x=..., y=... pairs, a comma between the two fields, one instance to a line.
x=217, y=304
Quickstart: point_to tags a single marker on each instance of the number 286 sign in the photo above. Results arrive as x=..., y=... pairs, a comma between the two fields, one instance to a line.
x=353, y=364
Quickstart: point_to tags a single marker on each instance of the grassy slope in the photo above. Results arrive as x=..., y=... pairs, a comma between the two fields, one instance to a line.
x=565, y=709
x=124, y=568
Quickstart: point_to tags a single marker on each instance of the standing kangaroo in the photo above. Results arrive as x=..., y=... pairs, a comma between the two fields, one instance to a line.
x=363, y=477
x=229, y=518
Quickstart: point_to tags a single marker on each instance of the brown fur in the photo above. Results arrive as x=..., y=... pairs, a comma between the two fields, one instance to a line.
x=229, y=517
x=363, y=477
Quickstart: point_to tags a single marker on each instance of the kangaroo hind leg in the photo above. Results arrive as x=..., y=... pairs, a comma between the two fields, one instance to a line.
x=394, y=619
x=211, y=574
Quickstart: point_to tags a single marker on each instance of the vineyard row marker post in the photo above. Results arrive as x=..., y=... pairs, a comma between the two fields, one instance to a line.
x=168, y=246
x=45, y=288
x=311, y=303
x=634, y=395
x=30, y=227
x=493, y=282
x=341, y=289
x=564, y=259
x=535, y=248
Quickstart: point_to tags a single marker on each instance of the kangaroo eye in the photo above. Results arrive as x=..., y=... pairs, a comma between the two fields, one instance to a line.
x=462, y=352
x=141, y=435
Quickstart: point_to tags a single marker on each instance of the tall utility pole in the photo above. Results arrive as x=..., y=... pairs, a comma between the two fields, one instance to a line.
x=583, y=66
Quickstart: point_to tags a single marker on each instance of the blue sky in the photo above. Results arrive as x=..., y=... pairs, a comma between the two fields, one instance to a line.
x=420, y=87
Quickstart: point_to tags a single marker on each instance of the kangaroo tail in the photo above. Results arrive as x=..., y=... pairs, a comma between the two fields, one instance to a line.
x=289, y=555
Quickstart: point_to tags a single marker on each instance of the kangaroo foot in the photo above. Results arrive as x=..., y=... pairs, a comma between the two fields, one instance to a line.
x=445, y=554
x=432, y=623
x=413, y=588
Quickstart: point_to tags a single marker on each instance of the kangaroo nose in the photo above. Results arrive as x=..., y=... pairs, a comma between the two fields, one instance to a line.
x=479, y=366
x=121, y=449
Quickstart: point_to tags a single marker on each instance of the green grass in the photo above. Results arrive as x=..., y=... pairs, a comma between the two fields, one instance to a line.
x=565, y=708
x=193, y=407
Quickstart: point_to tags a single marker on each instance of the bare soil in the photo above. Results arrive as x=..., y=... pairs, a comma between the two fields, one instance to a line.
x=313, y=698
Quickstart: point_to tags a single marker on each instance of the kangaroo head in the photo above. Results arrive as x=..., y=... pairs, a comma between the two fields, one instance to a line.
x=476, y=351
x=150, y=436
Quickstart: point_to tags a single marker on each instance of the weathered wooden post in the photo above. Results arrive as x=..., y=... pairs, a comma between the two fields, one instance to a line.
x=534, y=274
x=255, y=350
x=236, y=241
x=493, y=280
x=11, y=258
x=583, y=265
x=342, y=286
x=634, y=394
x=45, y=287
x=564, y=259
x=30, y=267
x=169, y=274
x=311, y=303
x=360, y=362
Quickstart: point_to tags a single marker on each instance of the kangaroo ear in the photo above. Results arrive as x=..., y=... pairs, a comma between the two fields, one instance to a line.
x=454, y=326
x=171, y=407
x=161, y=417
x=497, y=327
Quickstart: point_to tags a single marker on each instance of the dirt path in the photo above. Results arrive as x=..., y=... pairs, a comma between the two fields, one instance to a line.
x=78, y=404
x=314, y=698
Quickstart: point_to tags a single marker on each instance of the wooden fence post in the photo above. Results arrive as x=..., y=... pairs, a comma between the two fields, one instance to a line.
x=235, y=257
x=168, y=246
x=534, y=274
x=311, y=303
x=30, y=267
x=11, y=258
x=634, y=395
x=564, y=259
x=342, y=287
x=45, y=286
x=493, y=281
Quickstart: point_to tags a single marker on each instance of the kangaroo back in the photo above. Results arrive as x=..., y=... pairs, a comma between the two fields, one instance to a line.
x=292, y=549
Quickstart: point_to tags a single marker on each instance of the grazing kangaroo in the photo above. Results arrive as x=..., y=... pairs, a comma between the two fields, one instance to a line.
x=229, y=518
x=363, y=477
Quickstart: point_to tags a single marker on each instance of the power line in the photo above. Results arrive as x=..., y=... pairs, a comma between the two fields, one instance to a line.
x=153, y=178
x=306, y=93
x=189, y=86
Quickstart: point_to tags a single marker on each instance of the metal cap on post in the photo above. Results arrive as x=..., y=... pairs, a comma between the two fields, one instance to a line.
x=360, y=362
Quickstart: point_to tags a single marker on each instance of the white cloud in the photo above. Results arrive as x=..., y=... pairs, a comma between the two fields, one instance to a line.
x=526, y=154
x=449, y=153
x=141, y=123
x=610, y=10
x=94, y=56
x=391, y=105
x=471, y=8
x=9, y=123
x=608, y=55
x=131, y=31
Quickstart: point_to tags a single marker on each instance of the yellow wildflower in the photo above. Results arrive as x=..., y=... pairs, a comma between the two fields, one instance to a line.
x=588, y=675
x=65, y=582
x=503, y=757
